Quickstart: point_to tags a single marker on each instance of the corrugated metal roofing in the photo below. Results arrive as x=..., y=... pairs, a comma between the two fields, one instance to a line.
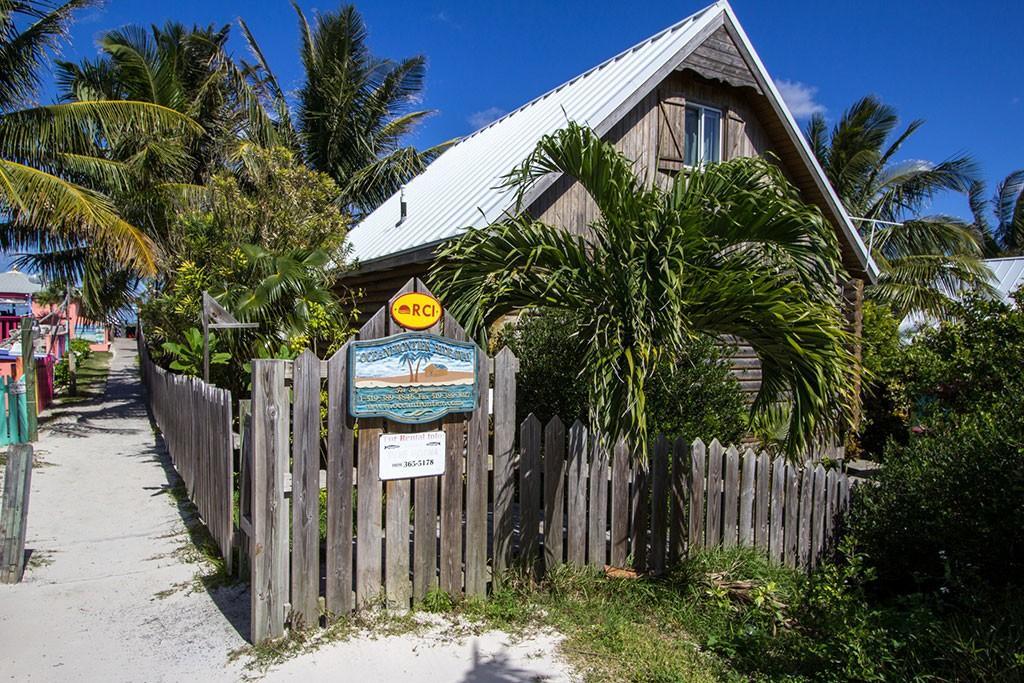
x=459, y=189
x=1007, y=275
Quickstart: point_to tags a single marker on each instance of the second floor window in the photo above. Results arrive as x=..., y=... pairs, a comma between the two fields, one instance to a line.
x=703, y=135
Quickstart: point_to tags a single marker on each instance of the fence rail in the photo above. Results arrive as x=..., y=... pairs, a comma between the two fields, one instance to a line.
x=196, y=421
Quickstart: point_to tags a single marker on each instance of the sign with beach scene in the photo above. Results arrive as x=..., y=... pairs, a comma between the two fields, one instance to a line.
x=412, y=378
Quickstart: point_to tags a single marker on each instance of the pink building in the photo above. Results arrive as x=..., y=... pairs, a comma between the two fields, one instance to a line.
x=17, y=300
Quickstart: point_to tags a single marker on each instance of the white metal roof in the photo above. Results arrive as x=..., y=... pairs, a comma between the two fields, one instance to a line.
x=459, y=190
x=1007, y=275
x=16, y=282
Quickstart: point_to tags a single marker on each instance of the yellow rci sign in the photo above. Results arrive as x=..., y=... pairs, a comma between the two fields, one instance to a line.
x=416, y=311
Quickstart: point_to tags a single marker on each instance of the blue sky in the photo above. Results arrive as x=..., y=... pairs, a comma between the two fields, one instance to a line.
x=955, y=64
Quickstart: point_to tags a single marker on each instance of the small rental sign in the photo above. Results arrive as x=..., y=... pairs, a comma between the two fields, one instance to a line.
x=405, y=456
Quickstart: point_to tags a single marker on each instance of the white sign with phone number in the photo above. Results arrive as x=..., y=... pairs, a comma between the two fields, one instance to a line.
x=403, y=456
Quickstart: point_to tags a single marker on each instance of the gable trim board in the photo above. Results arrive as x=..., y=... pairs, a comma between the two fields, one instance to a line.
x=459, y=190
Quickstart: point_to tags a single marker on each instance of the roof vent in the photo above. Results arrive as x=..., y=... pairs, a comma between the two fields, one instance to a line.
x=403, y=208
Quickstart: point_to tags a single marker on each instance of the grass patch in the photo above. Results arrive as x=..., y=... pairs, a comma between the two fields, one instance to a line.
x=732, y=616
x=93, y=371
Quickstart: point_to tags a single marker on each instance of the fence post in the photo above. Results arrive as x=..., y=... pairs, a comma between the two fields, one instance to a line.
x=270, y=510
x=28, y=361
x=14, y=514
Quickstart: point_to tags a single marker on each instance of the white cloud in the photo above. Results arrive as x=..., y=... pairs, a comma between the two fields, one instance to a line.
x=483, y=117
x=799, y=98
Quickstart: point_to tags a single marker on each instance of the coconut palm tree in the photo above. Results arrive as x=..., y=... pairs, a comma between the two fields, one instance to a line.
x=924, y=260
x=353, y=110
x=1006, y=236
x=730, y=250
x=53, y=161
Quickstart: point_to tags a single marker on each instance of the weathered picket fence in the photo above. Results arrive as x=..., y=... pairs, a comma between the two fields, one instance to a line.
x=195, y=419
x=397, y=539
x=549, y=497
x=584, y=505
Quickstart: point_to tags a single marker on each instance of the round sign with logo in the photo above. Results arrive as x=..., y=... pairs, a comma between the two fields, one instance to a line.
x=416, y=311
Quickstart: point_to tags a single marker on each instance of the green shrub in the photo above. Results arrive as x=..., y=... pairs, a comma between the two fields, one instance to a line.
x=81, y=348
x=947, y=510
x=697, y=396
x=884, y=401
x=61, y=373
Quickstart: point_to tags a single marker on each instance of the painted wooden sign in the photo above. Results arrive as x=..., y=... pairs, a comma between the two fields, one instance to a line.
x=405, y=456
x=412, y=378
x=416, y=311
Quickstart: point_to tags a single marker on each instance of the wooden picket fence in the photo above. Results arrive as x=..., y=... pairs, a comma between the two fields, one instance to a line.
x=195, y=419
x=606, y=510
x=387, y=541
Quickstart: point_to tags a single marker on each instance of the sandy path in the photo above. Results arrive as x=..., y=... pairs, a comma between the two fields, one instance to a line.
x=109, y=596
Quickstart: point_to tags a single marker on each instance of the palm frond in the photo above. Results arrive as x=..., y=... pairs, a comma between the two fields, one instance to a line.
x=35, y=197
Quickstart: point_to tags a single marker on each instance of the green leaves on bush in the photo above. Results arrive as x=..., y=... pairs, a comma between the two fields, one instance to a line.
x=188, y=355
x=695, y=397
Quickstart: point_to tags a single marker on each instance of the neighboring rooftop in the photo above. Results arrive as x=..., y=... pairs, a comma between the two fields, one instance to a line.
x=462, y=189
x=1008, y=275
x=17, y=282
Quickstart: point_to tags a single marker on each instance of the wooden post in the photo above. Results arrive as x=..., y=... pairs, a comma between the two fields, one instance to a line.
x=73, y=370
x=340, y=454
x=505, y=367
x=659, y=505
x=14, y=514
x=576, y=531
x=270, y=509
x=620, y=504
x=598, y=511
x=28, y=360
x=306, y=491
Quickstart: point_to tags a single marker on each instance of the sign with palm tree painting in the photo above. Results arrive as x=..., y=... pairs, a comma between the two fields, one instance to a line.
x=412, y=378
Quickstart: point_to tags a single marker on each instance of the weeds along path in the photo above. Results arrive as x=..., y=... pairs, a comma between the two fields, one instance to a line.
x=111, y=591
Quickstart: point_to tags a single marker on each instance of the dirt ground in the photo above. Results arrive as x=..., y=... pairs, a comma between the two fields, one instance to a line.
x=112, y=591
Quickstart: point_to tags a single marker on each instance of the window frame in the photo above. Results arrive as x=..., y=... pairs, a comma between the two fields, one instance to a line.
x=701, y=156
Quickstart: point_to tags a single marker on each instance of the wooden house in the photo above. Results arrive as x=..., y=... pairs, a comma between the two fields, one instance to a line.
x=696, y=92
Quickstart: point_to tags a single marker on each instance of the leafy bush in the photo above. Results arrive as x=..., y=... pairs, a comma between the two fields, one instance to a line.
x=697, y=396
x=884, y=401
x=948, y=508
x=188, y=355
x=81, y=348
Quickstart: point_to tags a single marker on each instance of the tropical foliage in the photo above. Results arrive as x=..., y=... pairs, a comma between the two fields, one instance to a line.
x=354, y=109
x=268, y=245
x=926, y=261
x=53, y=163
x=697, y=396
x=730, y=250
x=1005, y=235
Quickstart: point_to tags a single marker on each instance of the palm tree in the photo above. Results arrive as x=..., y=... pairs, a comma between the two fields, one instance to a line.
x=924, y=260
x=1006, y=236
x=730, y=250
x=353, y=111
x=183, y=69
x=53, y=161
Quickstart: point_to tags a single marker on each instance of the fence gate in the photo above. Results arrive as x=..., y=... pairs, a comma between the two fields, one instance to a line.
x=386, y=537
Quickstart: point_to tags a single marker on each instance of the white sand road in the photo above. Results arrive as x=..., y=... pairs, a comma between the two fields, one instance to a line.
x=110, y=596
